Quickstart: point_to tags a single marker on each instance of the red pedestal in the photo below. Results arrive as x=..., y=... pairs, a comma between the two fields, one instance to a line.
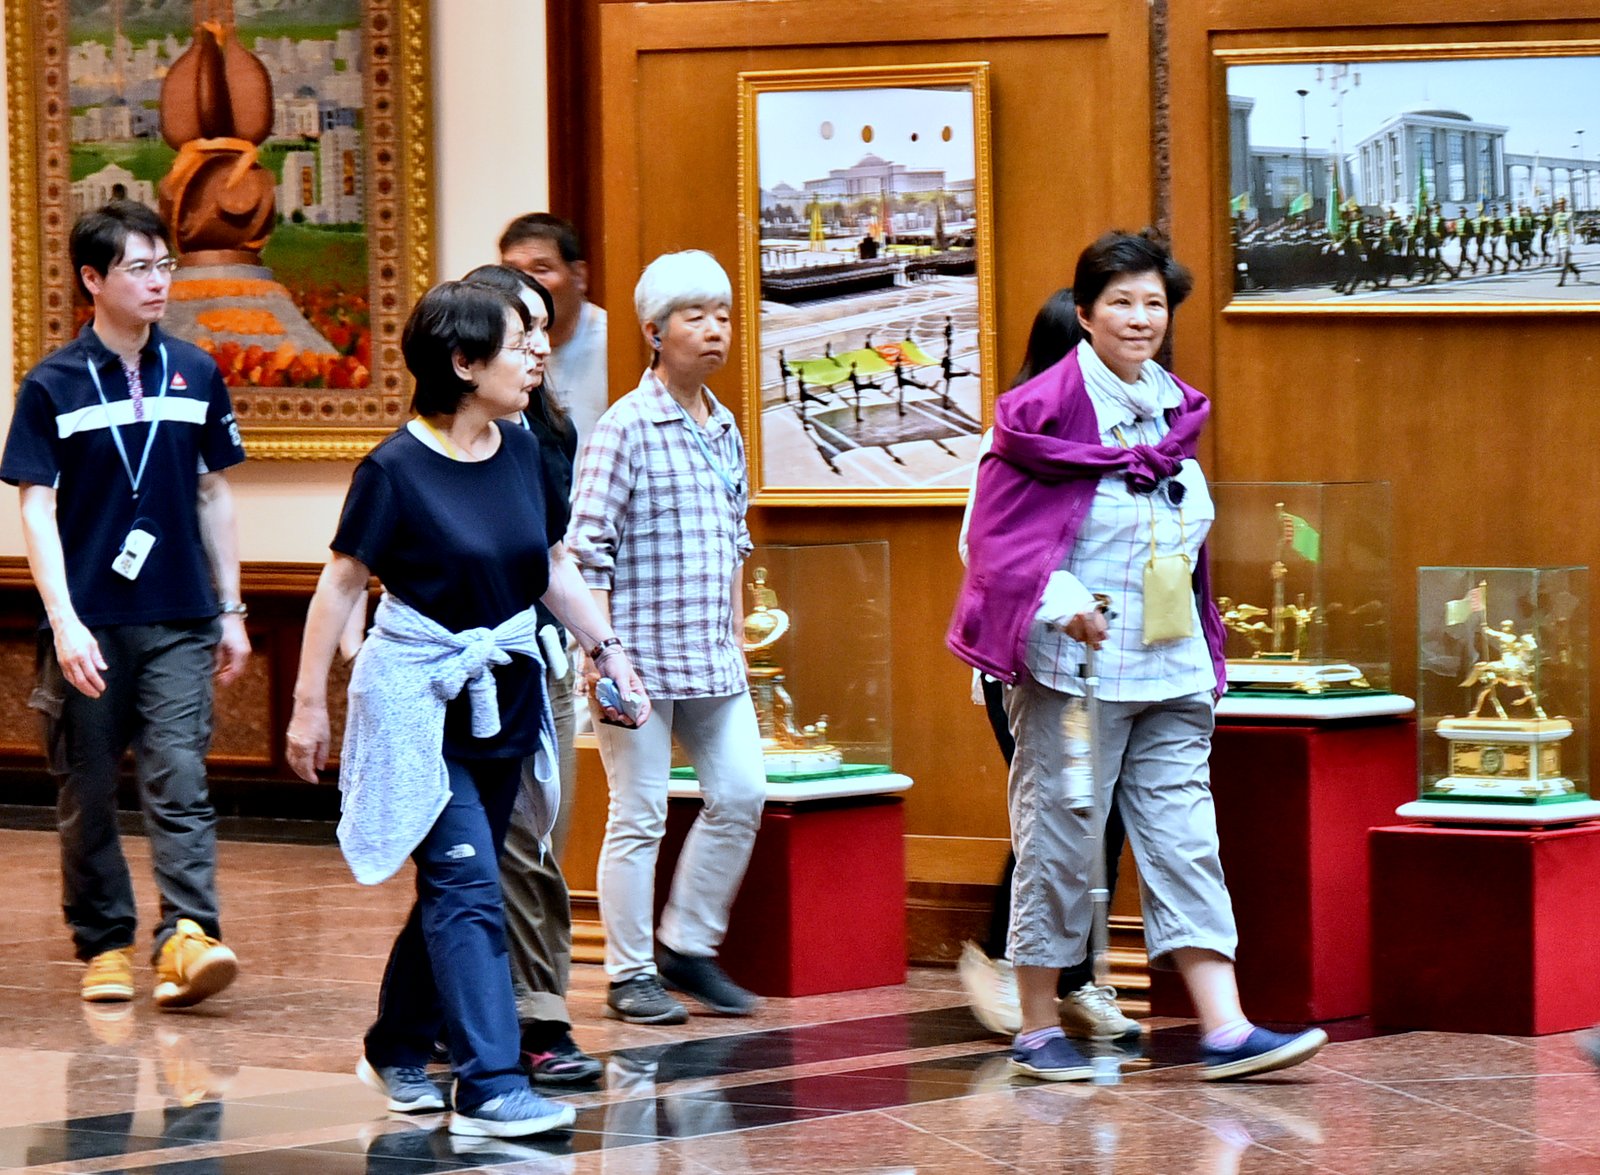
x=823, y=904
x=1486, y=929
x=1294, y=805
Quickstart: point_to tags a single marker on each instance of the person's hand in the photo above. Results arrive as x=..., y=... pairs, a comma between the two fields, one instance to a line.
x=614, y=664
x=1088, y=627
x=307, y=740
x=79, y=656
x=233, y=649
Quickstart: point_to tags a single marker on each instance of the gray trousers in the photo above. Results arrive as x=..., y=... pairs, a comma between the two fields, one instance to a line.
x=724, y=744
x=158, y=700
x=537, y=905
x=1156, y=754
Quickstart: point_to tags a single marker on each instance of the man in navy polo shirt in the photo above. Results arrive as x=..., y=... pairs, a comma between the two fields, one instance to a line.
x=118, y=445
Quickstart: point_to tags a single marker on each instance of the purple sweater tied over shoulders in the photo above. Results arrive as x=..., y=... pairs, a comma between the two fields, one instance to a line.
x=1035, y=486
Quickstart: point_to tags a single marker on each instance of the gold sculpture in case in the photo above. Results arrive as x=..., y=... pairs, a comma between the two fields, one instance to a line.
x=1301, y=573
x=788, y=750
x=1504, y=695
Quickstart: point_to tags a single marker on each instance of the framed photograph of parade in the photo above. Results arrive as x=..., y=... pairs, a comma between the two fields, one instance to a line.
x=866, y=282
x=1410, y=179
x=285, y=144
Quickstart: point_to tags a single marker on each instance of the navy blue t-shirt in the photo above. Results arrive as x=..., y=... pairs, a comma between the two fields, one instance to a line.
x=466, y=543
x=64, y=435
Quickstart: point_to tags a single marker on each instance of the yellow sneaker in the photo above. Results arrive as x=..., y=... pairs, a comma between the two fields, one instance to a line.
x=192, y=966
x=108, y=977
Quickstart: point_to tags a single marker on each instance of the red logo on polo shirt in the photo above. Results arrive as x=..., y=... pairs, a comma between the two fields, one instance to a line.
x=179, y=383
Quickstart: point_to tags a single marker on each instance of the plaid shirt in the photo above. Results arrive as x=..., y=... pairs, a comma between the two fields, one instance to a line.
x=654, y=524
x=1109, y=556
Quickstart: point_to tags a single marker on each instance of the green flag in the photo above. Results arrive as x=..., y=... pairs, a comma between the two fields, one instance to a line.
x=1301, y=537
x=1335, y=225
x=1238, y=203
x=1422, y=188
x=1301, y=203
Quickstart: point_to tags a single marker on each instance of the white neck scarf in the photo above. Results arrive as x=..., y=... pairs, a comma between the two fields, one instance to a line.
x=1152, y=394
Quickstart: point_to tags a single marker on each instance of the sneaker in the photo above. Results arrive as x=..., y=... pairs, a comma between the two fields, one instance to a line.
x=560, y=1062
x=513, y=1115
x=1052, y=1059
x=191, y=967
x=1261, y=1052
x=991, y=987
x=1091, y=1013
x=642, y=1000
x=108, y=977
x=1589, y=1046
x=706, y=982
x=406, y=1086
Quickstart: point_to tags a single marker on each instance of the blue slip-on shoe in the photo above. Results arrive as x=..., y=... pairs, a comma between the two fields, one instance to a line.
x=1053, y=1059
x=1263, y=1051
x=513, y=1115
x=406, y=1086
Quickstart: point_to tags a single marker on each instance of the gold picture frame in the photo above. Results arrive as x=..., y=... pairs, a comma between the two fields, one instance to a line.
x=339, y=396
x=866, y=284
x=1475, y=133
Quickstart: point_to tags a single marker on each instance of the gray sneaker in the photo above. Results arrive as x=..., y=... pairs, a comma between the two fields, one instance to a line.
x=406, y=1086
x=513, y=1115
x=642, y=1000
x=702, y=978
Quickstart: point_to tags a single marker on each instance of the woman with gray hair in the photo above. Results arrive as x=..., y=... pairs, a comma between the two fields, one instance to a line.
x=658, y=528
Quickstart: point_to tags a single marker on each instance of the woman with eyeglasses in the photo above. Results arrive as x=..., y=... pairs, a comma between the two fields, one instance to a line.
x=456, y=513
x=1091, y=488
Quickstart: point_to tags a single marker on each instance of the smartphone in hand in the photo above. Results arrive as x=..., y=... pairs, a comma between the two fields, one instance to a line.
x=612, y=698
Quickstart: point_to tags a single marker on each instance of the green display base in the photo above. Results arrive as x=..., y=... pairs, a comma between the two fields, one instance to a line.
x=1521, y=802
x=843, y=771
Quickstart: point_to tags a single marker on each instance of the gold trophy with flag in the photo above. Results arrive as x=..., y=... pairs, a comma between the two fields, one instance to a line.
x=1514, y=752
x=1279, y=635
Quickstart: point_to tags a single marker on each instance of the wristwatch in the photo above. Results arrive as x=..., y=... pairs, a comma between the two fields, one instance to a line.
x=234, y=608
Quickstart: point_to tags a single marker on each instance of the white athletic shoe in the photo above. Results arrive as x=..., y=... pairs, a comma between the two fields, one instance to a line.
x=991, y=988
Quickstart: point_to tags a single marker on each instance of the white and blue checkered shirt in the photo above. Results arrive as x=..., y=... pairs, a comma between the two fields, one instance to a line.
x=1109, y=556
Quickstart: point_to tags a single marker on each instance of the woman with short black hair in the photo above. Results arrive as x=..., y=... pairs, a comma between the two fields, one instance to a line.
x=1091, y=487
x=455, y=513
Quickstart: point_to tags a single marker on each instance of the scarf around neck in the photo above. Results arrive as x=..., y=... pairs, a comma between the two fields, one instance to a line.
x=1151, y=394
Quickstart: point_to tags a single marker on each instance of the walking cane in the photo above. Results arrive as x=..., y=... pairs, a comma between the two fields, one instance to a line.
x=1084, y=796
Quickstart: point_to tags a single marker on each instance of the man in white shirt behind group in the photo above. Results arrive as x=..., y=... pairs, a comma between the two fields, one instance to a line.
x=549, y=250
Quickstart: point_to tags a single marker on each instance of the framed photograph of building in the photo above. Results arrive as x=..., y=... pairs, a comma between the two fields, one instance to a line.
x=1411, y=179
x=866, y=282
x=285, y=144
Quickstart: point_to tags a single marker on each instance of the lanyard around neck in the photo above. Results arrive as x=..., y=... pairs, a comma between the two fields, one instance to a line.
x=1116, y=431
x=134, y=479
x=699, y=434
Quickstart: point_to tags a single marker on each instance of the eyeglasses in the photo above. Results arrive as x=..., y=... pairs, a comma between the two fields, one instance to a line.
x=141, y=270
x=526, y=347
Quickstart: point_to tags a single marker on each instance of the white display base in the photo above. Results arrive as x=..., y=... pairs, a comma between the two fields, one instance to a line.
x=1313, y=709
x=1289, y=674
x=810, y=789
x=1444, y=812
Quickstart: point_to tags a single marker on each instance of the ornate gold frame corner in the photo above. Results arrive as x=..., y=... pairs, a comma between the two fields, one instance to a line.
x=753, y=83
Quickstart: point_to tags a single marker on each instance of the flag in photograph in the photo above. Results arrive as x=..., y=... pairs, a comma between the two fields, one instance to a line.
x=1239, y=203
x=1301, y=203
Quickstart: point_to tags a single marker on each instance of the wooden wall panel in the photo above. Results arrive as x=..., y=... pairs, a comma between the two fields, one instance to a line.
x=668, y=107
x=1484, y=424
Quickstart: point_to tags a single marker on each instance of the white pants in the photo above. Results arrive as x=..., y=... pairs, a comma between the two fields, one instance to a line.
x=724, y=744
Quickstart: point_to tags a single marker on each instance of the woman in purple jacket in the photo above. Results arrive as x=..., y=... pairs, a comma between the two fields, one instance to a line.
x=1091, y=487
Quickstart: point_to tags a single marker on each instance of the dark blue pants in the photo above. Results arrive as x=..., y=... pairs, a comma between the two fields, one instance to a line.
x=158, y=699
x=448, y=967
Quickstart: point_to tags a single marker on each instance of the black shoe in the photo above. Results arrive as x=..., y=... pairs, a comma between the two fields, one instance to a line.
x=642, y=1000
x=706, y=982
x=556, y=1059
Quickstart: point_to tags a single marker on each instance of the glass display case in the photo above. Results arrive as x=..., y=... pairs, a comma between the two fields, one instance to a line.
x=817, y=645
x=1503, y=692
x=1301, y=572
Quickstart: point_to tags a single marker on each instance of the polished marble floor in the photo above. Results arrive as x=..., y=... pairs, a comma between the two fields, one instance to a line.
x=257, y=1081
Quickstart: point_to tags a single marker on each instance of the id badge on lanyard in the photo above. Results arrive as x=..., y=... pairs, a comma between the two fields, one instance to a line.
x=142, y=537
